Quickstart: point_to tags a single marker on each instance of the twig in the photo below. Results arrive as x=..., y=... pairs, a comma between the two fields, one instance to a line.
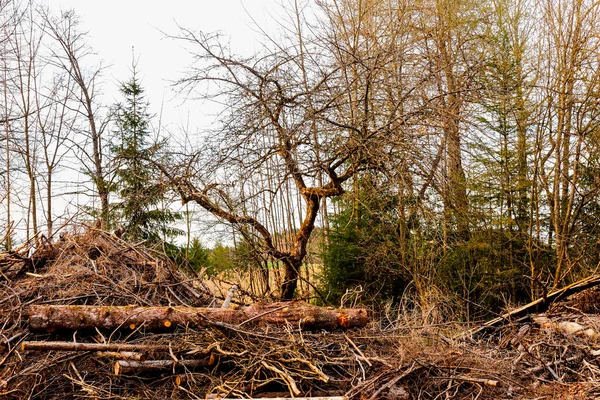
x=260, y=315
x=483, y=381
x=358, y=350
x=395, y=380
x=230, y=327
x=122, y=366
x=549, y=366
x=286, y=377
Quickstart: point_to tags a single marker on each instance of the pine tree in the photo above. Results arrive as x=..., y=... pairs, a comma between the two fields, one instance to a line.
x=139, y=210
x=364, y=243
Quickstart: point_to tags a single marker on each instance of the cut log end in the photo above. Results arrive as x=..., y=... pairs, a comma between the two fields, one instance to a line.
x=117, y=368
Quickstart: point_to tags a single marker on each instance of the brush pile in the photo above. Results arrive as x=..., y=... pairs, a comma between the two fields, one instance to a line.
x=551, y=355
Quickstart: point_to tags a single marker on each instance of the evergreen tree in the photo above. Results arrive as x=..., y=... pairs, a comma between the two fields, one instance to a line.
x=363, y=243
x=197, y=255
x=140, y=209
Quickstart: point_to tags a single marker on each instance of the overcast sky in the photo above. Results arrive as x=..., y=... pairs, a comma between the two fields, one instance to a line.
x=115, y=26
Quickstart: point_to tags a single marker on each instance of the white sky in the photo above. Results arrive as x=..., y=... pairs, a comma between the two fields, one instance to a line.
x=115, y=26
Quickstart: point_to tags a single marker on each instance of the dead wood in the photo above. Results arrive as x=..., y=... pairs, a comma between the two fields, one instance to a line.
x=122, y=355
x=96, y=269
x=297, y=314
x=217, y=397
x=483, y=381
x=73, y=346
x=536, y=306
x=553, y=364
x=126, y=366
x=566, y=327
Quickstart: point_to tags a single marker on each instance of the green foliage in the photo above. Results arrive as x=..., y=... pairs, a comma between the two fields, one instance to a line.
x=489, y=272
x=197, y=255
x=373, y=244
x=141, y=210
x=363, y=244
x=221, y=258
x=194, y=257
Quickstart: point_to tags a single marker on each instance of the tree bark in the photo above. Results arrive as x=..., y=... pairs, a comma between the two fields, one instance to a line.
x=125, y=366
x=74, y=346
x=60, y=317
x=290, y=280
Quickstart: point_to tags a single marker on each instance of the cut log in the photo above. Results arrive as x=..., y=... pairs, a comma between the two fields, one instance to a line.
x=298, y=314
x=122, y=355
x=125, y=366
x=566, y=327
x=217, y=397
x=73, y=346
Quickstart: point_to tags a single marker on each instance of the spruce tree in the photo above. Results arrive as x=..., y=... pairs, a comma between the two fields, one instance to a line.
x=141, y=196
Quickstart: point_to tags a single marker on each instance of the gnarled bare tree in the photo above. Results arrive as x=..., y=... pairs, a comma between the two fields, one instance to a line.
x=313, y=111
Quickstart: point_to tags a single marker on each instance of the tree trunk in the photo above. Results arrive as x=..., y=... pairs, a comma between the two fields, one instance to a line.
x=290, y=280
x=60, y=317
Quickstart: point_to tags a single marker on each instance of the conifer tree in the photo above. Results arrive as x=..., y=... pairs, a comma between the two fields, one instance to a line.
x=139, y=209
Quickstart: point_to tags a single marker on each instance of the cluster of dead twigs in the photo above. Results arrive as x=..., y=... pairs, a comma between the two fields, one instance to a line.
x=523, y=355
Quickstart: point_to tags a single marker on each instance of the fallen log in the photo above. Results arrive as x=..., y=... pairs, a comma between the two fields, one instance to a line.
x=535, y=307
x=566, y=327
x=217, y=397
x=74, y=346
x=298, y=314
x=126, y=366
x=122, y=355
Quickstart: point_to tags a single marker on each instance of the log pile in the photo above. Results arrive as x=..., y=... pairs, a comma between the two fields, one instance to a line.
x=91, y=316
x=91, y=305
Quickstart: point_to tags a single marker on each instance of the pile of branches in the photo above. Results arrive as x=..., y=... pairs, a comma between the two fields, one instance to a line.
x=528, y=358
x=94, y=267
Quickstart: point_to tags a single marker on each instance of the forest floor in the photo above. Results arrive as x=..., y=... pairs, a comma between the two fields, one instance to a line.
x=554, y=355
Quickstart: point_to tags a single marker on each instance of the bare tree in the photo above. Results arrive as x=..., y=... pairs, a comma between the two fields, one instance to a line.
x=70, y=57
x=55, y=126
x=25, y=46
x=7, y=26
x=568, y=119
x=307, y=112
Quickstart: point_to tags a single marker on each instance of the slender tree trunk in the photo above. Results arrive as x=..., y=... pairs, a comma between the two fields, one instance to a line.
x=522, y=167
x=457, y=181
x=49, y=221
x=450, y=81
x=8, y=165
x=65, y=33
